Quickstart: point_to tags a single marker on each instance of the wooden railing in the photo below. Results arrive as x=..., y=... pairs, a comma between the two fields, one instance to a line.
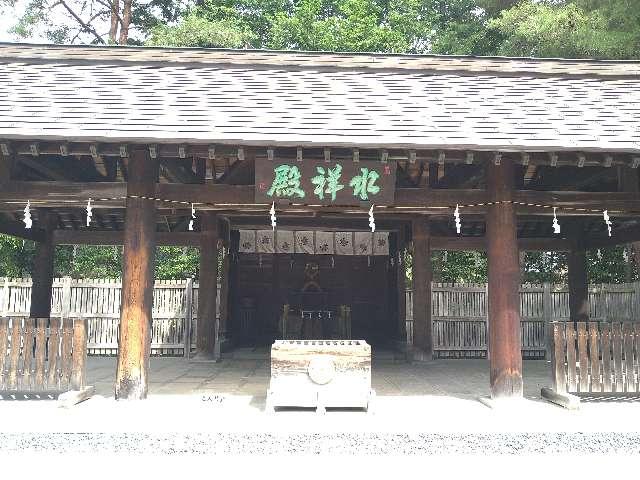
x=459, y=315
x=596, y=357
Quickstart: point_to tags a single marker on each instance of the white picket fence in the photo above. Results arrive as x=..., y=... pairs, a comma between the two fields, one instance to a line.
x=175, y=306
x=459, y=314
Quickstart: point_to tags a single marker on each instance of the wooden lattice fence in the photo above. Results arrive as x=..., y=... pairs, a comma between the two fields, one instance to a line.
x=459, y=315
x=175, y=306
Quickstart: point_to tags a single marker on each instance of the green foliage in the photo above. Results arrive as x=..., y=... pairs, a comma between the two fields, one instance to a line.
x=339, y=25
x=88, y=261
x=176, y=262
x=16, y=257
x=194, y=31
x=545, y=29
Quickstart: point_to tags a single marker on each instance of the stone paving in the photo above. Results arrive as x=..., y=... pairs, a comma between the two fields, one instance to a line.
x=466, y=379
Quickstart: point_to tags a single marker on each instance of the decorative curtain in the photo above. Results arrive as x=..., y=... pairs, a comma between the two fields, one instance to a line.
x=285, y=241
x=324, y=243
x=314, y=242
x=381, y=243
x=344, y=243
x=304, y=242
x=265, y=241
x=247, y=241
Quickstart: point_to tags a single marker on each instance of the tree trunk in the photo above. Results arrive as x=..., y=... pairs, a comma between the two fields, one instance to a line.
x=126, y=21
x=115, y=11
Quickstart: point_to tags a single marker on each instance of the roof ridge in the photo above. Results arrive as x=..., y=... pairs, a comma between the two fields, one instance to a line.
x=326, y=60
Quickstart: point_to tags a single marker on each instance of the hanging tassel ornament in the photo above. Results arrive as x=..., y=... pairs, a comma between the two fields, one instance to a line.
x=607, y=220
x=625, y=255
x=193, y=217
x=599, y=254
x=28, y=222
x=89, y=212
x=273, y=215
x=456, y=215
x=372, y=221
x=333, y=262
x=556, y=225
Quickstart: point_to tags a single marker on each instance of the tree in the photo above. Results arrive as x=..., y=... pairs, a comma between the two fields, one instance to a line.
x=94, y=21
x=579, y=29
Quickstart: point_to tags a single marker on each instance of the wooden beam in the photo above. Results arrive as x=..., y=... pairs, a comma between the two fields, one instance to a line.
x=111, y=237
x=422, y=272
x=17, y=229
x=42, y=274
x=222, y=196
x=42, y=168
x=480, y=244
x=620, y=236
x=137, y=286
x=505, y=355
x=207, y=335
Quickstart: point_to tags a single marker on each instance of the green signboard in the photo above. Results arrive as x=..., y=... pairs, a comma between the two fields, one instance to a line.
x=326, y=183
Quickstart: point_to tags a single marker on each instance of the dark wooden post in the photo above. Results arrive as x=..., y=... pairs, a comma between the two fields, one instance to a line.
x=401, y=288
x=134, y=343
x=422, y=329
x=578, y=279
x=505, y=356
x=206, y=332
x=42, y=275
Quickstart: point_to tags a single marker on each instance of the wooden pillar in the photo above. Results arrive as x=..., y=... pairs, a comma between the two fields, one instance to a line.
x=578, y=279
x=137, y=281
x=207, y=335
x=422, y=329
x=401, y=288
x=505, y=356
x=42, y=275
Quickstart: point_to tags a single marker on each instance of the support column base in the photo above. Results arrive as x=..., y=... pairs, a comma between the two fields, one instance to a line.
x=415, y=354
x=504, y=403
x=206, y=357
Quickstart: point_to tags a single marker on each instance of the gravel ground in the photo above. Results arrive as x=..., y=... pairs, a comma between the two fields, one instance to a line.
x=326, y=443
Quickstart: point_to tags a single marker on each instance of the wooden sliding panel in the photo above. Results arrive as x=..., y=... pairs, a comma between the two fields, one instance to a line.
x=505, y=355
x=137, y=286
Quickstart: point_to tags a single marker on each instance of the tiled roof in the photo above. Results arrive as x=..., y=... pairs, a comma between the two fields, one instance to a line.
x=285, y=98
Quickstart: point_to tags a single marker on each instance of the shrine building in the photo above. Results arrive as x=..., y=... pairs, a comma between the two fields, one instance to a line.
x=305, y=177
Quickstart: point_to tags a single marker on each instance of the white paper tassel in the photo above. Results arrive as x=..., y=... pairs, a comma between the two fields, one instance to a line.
x=273, y=215
x=193, y=217
x=89, y=212
x=599, y=254
x=28, y=222
x=456, y=215
x=625, y=255
x=607, y=220
x=372, y=221
x=556, y=225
